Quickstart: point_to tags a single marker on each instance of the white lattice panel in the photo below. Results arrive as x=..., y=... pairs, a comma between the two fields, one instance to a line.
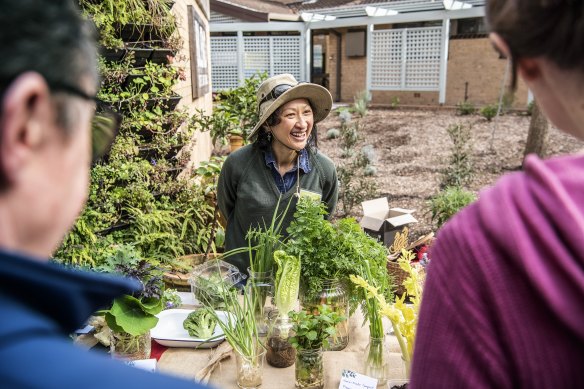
x=287, y=56
x=256, y=55
x=386, y=59
x=224, y=67
x=272, y=54
x=423, y=58
x=406, y=59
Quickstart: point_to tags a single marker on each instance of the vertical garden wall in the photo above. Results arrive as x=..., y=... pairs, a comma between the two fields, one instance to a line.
x=137, y=196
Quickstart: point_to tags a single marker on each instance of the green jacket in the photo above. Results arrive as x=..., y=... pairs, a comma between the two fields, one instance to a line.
x=247, y=194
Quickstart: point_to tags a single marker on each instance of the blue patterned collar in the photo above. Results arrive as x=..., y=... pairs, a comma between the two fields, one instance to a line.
x=304, y=160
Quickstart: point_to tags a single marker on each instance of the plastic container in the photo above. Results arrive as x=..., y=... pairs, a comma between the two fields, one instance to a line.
x=208, y=280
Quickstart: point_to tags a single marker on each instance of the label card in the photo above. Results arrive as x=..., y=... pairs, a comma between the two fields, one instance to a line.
x=352, y=380
x=144, y=364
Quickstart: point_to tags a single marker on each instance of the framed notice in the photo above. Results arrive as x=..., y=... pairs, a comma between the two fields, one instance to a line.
x=198, y=44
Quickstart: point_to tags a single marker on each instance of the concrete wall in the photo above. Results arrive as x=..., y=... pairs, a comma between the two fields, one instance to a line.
x=202, y=145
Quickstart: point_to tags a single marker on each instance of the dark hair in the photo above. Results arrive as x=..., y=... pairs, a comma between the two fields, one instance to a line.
x=50, y=38
x=47, y=37
x=263, y=141
x=553, y=29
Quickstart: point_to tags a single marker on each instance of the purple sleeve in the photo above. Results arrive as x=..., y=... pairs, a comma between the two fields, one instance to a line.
x=457, y=345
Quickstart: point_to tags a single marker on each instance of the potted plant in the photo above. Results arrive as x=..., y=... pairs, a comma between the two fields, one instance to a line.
x=131, y=317
x=235, y=139
x=312, y=333
x=280, y=352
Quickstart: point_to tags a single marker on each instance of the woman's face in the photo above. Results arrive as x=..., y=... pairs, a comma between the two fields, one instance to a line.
x=296, y=122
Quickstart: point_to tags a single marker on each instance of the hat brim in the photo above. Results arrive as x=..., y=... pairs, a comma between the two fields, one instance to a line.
x=320, y=100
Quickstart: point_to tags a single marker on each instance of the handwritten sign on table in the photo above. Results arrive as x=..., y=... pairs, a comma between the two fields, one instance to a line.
x=352, y=380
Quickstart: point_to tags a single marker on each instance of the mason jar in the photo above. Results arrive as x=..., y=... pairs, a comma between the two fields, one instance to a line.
x=334, y=294
x=280, y=352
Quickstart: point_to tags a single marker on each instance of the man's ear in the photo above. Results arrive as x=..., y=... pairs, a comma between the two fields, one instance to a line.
x=26, y=111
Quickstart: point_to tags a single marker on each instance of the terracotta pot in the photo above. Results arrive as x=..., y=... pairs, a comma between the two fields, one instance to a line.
x=235, y=142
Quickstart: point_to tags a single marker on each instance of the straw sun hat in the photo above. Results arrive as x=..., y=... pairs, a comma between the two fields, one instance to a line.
x=278, y=90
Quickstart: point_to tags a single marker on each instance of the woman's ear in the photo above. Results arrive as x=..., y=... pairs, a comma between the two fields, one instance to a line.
x=500, y=45
x=529, y=68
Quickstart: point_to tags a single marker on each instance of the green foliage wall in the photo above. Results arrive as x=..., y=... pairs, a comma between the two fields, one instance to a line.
x=136, y=196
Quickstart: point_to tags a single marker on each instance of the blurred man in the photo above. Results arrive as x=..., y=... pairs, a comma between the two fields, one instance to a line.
x=48, y=82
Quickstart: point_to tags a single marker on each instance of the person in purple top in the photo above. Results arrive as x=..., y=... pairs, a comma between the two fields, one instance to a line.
x=504, y=297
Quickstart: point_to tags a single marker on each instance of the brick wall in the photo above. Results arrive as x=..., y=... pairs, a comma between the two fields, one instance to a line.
x=474, y=61
x=471, y=61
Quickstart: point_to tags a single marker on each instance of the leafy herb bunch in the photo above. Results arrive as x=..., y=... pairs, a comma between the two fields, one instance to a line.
x=335, y=251
x=314, y=329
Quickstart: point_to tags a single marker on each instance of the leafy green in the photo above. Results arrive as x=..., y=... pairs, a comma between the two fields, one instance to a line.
x=335, y=251
x=314, y=329
x=287, y=281
x=200, y=324
x=130, y=315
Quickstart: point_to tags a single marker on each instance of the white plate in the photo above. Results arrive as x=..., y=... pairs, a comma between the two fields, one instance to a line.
x=170, y=332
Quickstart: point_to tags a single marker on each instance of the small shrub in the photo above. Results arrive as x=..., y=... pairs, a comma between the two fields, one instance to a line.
x=369, y=153
x=361, y=101
x=333, y=133
x=448, y=202
x=465, y=108
x=530, y=107
x=394, y=102
x=489, y=111
x=459, y=170
x=370, y=171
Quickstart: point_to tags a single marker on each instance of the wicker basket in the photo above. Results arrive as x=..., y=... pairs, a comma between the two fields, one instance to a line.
x=179, y=280
x=397, y=274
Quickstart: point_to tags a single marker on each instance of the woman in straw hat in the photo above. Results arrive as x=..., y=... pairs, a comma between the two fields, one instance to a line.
x=504, y=298
x=281, y=162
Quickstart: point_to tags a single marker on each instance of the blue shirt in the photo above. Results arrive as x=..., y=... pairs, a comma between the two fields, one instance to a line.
x=286, y=182
x=40, y=304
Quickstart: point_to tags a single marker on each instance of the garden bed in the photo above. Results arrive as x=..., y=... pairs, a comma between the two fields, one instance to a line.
x=412, y=149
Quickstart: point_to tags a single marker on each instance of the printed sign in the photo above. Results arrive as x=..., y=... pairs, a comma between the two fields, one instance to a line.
x=352, y=380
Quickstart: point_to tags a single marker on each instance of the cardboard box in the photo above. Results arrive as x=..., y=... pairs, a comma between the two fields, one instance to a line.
x=383, y=222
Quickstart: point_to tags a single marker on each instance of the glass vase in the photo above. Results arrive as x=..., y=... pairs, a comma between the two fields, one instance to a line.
x=260, y=285
x=130, y=347
x=309, y=369
x=376, y=363
x=334, y=294
x=280, y=352
x=250, y=369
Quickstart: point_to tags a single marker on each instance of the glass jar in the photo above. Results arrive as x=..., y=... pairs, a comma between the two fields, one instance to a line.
x=250, y=369
x=309, y=369
x=334, y=294
x=280, y=352
x=130, y=347
x=376, y=364
x=260, y=285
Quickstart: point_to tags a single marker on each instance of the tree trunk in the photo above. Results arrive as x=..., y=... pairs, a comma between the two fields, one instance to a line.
x=538, y=129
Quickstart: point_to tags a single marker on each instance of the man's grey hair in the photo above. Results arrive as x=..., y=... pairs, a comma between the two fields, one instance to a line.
x=48, y=37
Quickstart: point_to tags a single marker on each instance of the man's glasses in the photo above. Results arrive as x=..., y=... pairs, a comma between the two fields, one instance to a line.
x=104, y=125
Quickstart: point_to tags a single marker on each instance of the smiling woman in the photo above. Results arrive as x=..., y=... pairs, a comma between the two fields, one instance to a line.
x=283, y=161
